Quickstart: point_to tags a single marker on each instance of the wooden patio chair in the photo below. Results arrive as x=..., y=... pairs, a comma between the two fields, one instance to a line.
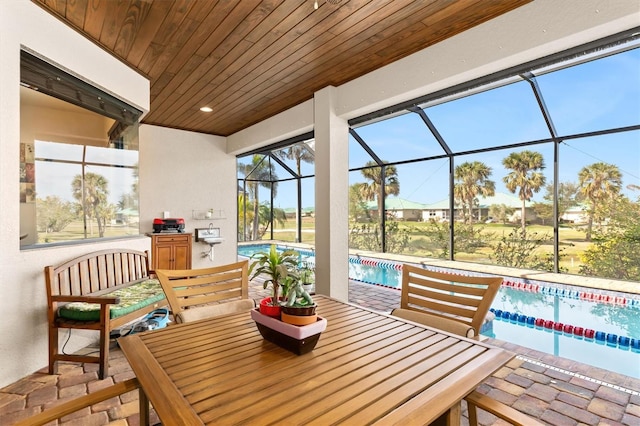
x=457, y=304
x=195, y=294
x=450, y=302
x=66, y=408
x=477, y=400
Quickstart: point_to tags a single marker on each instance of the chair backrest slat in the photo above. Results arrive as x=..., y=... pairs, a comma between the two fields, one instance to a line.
x=195, y=287
x=458, y=297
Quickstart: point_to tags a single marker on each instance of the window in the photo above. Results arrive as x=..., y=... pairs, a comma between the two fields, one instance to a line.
x=276, y=192
x=540, y=167
x=78, y=160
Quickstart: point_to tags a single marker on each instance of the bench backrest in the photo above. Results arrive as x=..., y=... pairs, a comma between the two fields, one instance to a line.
x=96, y=273
x=189, y=289
x=466, y=299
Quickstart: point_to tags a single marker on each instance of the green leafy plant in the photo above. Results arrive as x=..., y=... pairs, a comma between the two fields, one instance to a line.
x=297, y=296
x=367, y=236
x=519, y=248
x=306, y=273
x=278, y=266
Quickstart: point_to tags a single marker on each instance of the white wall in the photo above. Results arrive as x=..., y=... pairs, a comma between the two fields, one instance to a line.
x=293, y=122
x=23, y=330
x=185, y=171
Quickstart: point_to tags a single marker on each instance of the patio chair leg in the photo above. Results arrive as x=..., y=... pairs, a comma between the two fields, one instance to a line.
x=103, y=370
x=53, y=349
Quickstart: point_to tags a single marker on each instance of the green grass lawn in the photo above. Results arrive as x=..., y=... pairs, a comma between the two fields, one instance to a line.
x=572, y=240
x=74, y=231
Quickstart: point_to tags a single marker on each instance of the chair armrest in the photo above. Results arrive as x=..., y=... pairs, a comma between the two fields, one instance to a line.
x=497, y=408
x=435, y=321
x=79, y=403
x=102, y=300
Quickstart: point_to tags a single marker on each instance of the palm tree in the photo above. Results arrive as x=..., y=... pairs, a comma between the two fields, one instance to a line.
x=245, y=210
x=264, y=217
x=91, y=192
x=262, y=173
x=526, y=175
x=357, y=206
x=371, y=190
x=566, y=198
x=299, y=152
x=473, y=180
x=598, y=183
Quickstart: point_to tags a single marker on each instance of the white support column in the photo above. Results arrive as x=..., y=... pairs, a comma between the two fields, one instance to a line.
x=332, y=196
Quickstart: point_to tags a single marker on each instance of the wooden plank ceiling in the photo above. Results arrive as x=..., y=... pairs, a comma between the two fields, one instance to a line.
x=251, y=59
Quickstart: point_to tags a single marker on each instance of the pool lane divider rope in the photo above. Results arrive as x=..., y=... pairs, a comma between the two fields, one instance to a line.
x=591, y=296
x=587, y=334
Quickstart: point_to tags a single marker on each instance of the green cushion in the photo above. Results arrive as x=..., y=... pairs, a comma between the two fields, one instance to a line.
x=132, y=298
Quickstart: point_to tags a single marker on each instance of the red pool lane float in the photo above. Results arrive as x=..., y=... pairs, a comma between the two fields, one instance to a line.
x=548, y=324
x=558, y=326
x=621, y=301
x=589, y=333
x=578, y=331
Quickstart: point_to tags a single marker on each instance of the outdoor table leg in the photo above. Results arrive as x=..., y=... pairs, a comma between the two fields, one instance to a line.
x=144, y=407
x=451, y=417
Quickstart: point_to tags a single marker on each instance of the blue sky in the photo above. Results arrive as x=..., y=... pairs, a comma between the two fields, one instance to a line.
x=54, y=179
x=589, y=97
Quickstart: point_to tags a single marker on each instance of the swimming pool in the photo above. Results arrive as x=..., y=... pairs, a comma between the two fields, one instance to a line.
x=593, y=327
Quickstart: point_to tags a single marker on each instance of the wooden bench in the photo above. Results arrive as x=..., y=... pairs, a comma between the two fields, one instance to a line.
x=90, y=281
x=195, y=294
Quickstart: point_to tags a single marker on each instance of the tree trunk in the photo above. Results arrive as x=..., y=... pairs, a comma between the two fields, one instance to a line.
x=592, y=212
x=523, y=216
x=256, y=218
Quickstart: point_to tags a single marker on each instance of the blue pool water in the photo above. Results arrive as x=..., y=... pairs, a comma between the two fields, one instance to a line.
x=554, y=303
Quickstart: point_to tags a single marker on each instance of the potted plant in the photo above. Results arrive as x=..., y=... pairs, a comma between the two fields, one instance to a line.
x=278, y=267
x=307, y=276
x=299, y=307
x=281, y=269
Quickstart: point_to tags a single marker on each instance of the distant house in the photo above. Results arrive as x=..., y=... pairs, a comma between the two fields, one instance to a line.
x=440, y=211
x=576, y=214
x=290, y=212
x=399, y=209
x=126, y=216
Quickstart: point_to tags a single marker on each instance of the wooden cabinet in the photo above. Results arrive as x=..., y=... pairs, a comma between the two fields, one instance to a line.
x=171, y=251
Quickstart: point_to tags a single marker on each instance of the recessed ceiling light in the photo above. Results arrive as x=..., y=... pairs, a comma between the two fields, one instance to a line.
x=206, y=109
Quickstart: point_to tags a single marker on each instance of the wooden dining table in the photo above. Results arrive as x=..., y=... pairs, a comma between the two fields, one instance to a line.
x=367, y=368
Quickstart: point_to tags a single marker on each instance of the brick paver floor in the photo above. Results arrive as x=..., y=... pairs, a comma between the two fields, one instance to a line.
x=555, y=390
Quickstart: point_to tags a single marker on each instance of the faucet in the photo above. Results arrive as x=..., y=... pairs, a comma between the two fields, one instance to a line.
x=210, y=227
